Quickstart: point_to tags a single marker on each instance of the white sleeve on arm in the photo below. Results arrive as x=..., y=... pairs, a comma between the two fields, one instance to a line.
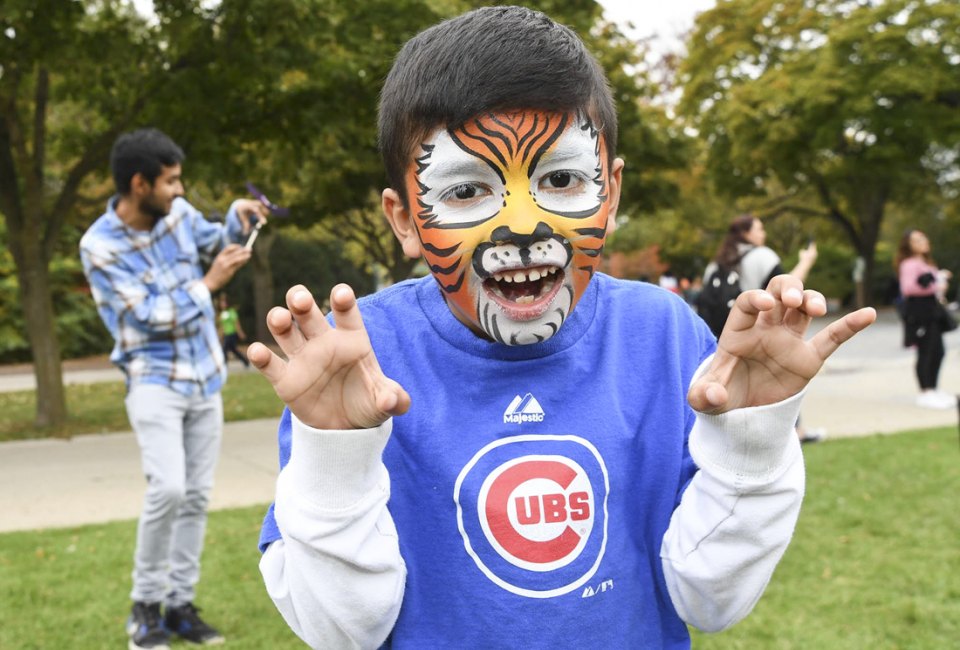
x=737, y=515
x=336, y=576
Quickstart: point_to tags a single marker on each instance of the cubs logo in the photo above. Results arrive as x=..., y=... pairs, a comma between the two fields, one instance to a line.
x=532, y=511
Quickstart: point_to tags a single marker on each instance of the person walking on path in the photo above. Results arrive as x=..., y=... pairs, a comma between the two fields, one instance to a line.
x=921, y=285
x=143, y=259
x=231, y=331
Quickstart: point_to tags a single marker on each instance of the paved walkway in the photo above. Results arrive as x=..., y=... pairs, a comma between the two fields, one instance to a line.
x=867, y=387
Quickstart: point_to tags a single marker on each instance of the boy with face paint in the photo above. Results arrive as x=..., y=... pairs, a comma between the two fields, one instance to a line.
x=578, y=461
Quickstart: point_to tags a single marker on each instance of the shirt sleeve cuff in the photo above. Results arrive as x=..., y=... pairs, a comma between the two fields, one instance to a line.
x=200, y=294
x=234, y=224
x=335, y=469
x=749, y=446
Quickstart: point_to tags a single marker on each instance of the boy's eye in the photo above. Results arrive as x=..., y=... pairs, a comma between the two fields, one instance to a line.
x=562, y=180
x=465, y=193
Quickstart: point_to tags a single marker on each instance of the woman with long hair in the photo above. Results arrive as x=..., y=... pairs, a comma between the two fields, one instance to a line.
x=744, y=252
x=921, y=285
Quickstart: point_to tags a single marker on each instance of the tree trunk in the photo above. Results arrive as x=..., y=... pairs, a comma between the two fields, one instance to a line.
x=262, y=285
x=872, y=210
x=34, y=276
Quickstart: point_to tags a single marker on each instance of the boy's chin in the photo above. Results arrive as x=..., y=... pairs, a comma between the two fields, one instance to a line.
x=511, y=326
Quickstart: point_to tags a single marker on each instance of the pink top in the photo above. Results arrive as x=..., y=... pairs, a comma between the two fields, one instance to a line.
x=910, y=271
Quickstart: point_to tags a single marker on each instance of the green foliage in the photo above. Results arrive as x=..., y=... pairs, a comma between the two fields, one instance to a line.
x=78, y=326
x=13, y=341
x=281, y=92
x=849, y=106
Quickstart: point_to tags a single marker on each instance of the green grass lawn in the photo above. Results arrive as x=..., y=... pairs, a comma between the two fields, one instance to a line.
x=98, y=408
x=874, y=565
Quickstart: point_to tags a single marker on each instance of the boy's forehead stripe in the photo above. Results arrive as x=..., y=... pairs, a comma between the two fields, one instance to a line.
x=482, y=139
x=498, y=170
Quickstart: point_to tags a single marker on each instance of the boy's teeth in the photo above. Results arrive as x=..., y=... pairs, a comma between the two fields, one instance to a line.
x=525, y=276
x=523, y=300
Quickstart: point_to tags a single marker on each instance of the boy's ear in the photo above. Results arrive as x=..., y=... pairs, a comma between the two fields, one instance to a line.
x=401, y=222
x=616, y=177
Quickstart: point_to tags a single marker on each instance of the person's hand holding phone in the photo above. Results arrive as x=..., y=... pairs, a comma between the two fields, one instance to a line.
x=225, y=265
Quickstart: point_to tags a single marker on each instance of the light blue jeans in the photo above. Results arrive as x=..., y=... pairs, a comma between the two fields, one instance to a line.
x=179, y=440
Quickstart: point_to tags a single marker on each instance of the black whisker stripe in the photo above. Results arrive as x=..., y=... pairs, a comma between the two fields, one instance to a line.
x=588, y=269
x=591, y=232
x=496, y=330
x=424, y=207
x=455, y=287
x=441, y=252
x=445, y=270
x=560, y=314
x=489, y=162
x=499, y=136
x=592, y=252
x=548, y=143
x=422, y=163
x=423, y=189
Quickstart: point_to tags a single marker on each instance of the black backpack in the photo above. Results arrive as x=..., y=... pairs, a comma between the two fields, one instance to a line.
x=716, y=299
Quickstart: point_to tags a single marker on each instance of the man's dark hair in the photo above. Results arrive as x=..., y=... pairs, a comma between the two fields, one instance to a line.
x=146, y=151
x=488, y=60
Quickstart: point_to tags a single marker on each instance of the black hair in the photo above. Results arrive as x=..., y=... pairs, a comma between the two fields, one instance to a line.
x=729, y=255
x=491, y=59
x=144, y=151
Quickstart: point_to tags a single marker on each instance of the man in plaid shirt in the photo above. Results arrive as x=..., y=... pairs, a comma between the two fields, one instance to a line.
x=144, y=259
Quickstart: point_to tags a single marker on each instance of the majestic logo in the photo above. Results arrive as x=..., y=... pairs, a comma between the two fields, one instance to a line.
x=532, y=511
x=526, y=409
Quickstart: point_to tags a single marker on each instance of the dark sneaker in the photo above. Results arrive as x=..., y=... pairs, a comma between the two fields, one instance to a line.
x=185, y=622
x=145, y=628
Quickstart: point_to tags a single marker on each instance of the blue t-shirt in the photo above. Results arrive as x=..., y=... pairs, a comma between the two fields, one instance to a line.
x=531, y=486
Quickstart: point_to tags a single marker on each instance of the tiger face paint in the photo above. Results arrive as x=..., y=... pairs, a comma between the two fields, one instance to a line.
x=511, y=211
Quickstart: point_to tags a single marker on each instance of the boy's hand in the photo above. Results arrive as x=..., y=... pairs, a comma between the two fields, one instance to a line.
x=762, y=356
x=331, y=378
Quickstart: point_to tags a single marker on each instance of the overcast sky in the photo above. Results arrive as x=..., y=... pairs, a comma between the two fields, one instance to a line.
x=664, y=20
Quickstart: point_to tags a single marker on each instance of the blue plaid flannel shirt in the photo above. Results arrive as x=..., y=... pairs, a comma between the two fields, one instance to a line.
x=148, y=290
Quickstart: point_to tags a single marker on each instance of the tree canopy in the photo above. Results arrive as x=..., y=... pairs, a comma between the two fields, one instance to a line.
x=280, y=92
x=845, y=106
